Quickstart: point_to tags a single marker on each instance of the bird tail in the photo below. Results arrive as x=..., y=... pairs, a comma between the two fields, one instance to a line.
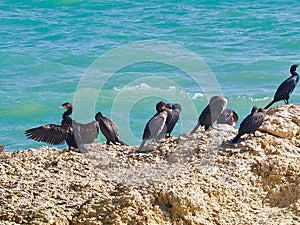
x=123, y=143
x=195, y=129
x=141, y=148
x=271, y=103
x=236, y=139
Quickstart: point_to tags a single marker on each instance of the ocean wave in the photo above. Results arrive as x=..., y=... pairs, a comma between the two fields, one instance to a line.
x=254, y=99
x=144, y=86
x=197, y=95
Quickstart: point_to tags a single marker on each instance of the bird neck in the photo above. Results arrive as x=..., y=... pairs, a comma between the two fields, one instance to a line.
x=67, y=113
x=294, y=73
x=99, y=116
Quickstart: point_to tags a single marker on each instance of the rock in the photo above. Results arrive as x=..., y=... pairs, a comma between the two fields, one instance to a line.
x=193, y=179
x=282, y=122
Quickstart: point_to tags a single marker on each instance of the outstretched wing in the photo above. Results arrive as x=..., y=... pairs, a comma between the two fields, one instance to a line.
x=85, y=133
x=51, y=134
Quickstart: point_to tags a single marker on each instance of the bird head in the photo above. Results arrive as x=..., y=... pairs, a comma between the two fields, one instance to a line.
x=235, y=117
x=98, y=115
x=218, y=100
x=66, y=105
x=161, y=106
x=217, y=104
x=254, y=110
x=176, y=106
x=294, y=68
x=261, y=110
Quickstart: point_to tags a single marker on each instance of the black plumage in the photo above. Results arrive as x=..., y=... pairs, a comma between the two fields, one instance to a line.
x=229, y=117
x=211, y=113
x=251, y=123
x=173, y=117
x=73, y=133
x=285, y=89
x=155, y=125
x=109, y=129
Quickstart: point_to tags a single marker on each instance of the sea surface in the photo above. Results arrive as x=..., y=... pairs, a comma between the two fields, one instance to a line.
x=121, y=57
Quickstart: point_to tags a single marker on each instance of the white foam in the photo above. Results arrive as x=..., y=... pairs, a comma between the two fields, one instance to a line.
x=198, y=95
x=254, y=99
x=144, y=86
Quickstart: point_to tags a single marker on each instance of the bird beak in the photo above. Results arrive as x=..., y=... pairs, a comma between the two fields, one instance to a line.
x=62, y=107
x=165, y=107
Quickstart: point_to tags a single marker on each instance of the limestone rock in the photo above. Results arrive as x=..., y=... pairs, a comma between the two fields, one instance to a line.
x=198, y=179
x=283, y=122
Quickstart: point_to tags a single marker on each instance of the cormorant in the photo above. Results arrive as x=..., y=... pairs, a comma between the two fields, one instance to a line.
x=251, y=123
x=172, y=118
x=70, y=131
x=286, y=87
x=155, y=125
x=229, y=117
x=211, y=113
x=109, y=129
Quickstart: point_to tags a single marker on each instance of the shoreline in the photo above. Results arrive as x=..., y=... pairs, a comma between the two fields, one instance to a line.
x=197, y=179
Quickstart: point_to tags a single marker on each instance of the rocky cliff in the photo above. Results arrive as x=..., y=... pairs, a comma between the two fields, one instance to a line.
x=198, y=179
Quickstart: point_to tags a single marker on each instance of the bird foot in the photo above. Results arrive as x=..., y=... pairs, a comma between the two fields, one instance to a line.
x=82, y=150
x=160, y=140
x=63, y=151
x=142, y=151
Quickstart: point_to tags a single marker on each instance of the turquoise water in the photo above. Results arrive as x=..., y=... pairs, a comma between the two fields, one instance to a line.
x=47, y=47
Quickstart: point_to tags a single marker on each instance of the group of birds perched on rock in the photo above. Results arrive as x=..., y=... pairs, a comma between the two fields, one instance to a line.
x=76, y=134
x=161, y=124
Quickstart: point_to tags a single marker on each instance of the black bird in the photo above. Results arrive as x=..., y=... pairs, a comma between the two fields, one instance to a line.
x=70, y=131
x=229, y=117
x=251, y=123
x=172, y=118
x=155, y=125
x=109, y=129
x=211, y=113
x=286, y=87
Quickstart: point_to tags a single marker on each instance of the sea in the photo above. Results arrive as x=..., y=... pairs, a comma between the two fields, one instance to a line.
x=122, y=57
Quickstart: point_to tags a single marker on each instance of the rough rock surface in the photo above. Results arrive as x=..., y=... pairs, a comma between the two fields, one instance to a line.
x=198, y=179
